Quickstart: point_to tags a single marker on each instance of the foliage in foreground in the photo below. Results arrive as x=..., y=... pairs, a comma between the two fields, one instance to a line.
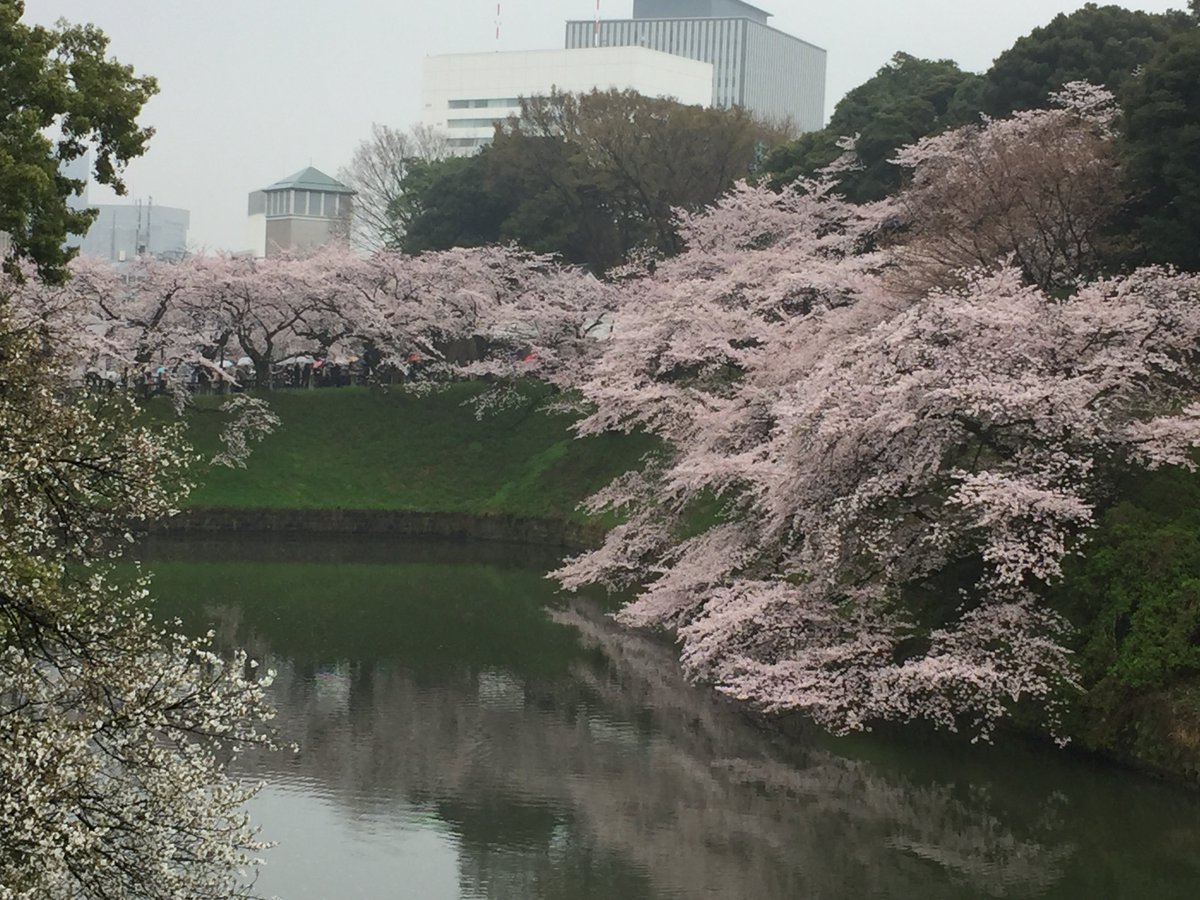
x=114, y=733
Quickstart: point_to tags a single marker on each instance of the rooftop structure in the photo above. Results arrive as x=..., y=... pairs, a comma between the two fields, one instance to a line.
x=698, y=9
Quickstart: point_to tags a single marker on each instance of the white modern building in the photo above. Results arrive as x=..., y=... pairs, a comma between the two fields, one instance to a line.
x=766, y=71
x=466, y=94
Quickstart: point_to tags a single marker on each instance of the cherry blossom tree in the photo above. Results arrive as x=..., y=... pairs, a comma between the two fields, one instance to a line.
x=1038, y=187
x=114, y=732
x=492, y=312
x=865, y=492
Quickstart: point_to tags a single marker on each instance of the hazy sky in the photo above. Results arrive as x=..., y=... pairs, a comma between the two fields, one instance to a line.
x=252, y=90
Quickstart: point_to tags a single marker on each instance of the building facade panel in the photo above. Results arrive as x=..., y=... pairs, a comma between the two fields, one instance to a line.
x=697, y=9
x=786, y=80
x=292, y=234
x=770, y=73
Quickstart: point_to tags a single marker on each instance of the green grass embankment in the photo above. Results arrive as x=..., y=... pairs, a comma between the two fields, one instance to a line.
x=355, y=448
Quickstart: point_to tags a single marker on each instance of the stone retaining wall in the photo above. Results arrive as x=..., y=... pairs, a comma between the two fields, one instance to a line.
x=383, y=522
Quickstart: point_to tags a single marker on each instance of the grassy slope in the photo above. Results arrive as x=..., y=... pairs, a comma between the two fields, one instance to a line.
x=358, y=449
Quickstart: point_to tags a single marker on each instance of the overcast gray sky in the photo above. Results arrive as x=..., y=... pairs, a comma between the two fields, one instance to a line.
x=252, y=90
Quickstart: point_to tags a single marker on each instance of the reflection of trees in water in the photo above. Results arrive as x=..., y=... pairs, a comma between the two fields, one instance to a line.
x=836, y=826
x=627, y=773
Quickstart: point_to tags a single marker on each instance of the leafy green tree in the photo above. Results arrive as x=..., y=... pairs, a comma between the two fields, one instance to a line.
x=1135, y=601
x=1102, y=44
x=589, y=177
x=115, y=733
x=528, y=190
x=558, y=202
x=377, y=171
x=447, y=203
x=907, y=99
x=59, y=80
x=1162, y=144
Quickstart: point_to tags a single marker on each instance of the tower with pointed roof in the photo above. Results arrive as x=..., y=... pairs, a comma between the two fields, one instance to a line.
x=305, y=210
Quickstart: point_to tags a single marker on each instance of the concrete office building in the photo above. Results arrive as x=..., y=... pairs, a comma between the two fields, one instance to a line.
x=124, y=231
x=305, y=210
x=755, y=66
x=466, y=94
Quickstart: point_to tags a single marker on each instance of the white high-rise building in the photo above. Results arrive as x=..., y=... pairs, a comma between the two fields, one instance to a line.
x=466, y=94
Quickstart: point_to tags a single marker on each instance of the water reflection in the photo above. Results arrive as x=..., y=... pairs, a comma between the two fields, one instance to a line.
x=461, y=741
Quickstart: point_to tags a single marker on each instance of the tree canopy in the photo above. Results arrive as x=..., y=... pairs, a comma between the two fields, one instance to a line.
x=447, y=203
x=377, y=172
x=907, y=99
x=1104, y=45
x=1039, y=188
x=1162, y=147
x=59, y=81
x=863, y=496
x=587, y=176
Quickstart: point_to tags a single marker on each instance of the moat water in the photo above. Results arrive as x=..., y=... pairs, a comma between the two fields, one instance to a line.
x=466, y=732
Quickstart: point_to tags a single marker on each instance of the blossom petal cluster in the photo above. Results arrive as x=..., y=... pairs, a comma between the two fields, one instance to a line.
x=115, y=732
x=866, y=491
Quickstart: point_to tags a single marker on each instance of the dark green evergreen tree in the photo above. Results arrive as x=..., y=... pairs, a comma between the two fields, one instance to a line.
x=589, y=177
x=904, y=101
x=60, y=96
x=1102, y=44
x=1162, y=147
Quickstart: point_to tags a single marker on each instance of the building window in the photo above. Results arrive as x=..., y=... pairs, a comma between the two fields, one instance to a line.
x=486, y=103
x=475, y=123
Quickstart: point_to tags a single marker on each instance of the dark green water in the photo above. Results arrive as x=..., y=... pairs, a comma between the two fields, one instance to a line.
x=467, y=734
